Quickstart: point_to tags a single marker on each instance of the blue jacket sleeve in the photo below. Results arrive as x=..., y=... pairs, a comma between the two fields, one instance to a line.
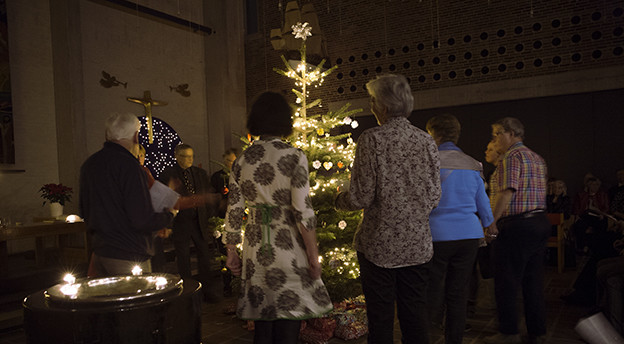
x=483, y=203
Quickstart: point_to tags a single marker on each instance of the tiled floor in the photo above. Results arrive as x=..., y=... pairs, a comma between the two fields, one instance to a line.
x=220, y=328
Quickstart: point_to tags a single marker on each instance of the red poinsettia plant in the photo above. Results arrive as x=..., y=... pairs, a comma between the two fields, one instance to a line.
x=58, y=193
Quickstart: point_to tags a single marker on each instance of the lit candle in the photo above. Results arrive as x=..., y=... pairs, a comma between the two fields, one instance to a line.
x=137, y=271
x=69, y=278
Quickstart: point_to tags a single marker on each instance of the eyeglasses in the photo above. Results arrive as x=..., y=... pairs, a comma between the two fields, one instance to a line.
x=497, y=133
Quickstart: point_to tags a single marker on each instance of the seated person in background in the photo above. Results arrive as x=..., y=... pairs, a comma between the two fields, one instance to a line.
x=550, y=186
x=591, y=199
x=589, y=207
x=609, y=297
x=586, y=179
x=559, y=201
x=607, y=245
x=616, y=197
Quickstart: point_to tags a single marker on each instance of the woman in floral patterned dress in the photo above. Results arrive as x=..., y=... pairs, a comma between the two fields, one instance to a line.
x=279, y=269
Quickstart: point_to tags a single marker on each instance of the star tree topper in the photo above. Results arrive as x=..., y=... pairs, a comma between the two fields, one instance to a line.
x=302, y=31
x=304, y=78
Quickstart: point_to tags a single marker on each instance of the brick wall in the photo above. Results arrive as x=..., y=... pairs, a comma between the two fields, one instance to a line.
x=556, y=65
x=445, y=44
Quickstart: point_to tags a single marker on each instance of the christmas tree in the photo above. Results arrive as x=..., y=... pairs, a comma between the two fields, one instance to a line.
x=330, y=154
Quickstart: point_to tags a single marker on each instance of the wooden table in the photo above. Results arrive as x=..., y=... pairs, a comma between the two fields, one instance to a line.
x=38, y=231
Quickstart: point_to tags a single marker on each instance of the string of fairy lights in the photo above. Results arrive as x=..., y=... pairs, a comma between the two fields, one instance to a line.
x=314, y=134
x=160, y=154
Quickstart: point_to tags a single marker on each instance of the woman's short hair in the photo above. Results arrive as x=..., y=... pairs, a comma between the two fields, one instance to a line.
x=182, y=146
x=270, y=115
x=121, y=126
x=392, y=92
x=513, y=125
x=444, y=128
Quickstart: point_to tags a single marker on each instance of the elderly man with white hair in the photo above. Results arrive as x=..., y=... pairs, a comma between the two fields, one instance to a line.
x=396, y=180
x=115, y=202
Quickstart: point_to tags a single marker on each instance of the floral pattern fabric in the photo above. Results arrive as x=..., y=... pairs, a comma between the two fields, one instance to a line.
x=396, y=180
x=270, y=178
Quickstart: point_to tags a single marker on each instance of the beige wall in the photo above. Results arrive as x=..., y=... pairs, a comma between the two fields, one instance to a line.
x=32, y=86
x=58, y=52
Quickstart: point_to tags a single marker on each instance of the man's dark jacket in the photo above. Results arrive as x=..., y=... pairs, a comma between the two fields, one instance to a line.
x=116, y=205
x=201, y=185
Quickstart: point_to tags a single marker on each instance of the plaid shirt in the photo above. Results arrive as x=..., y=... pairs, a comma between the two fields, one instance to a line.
x=493, y=186
x=524, y=171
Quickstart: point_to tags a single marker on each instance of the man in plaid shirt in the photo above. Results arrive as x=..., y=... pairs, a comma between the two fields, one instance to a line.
x=520, y=230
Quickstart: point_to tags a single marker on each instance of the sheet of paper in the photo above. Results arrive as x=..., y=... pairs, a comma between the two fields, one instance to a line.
x=163, y=197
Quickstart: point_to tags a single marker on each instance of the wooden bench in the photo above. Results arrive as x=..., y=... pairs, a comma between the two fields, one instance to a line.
x=38, y=231
x=558, y=242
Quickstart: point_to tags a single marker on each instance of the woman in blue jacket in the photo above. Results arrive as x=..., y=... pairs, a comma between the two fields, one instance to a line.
x=456, y=227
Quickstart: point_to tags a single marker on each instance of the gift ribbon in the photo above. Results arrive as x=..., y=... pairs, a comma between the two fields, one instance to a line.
x=266, y=217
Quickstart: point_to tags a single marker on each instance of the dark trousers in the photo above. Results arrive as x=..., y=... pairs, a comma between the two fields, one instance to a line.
x=585, y=284
x=209, y=271
x=104, y=266
x=449, y=277
x=158, y=260
x=382, y=287
x=276, y=331
x=519, y=255
x=580, y=227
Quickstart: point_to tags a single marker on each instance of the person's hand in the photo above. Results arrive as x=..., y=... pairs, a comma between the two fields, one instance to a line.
x=491, y=232
x=233, y=262
x=174, y=183
x=164, y=233
x=314, y=270
x=212, y=199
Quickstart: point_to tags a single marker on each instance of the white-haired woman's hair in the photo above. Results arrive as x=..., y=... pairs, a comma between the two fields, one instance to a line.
x=392, y=92
x=121, y=126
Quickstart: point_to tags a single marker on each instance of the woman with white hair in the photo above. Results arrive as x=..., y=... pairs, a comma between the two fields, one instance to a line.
x=396, y=180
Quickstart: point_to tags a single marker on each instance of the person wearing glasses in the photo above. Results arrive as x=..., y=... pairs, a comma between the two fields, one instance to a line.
x=520, y=230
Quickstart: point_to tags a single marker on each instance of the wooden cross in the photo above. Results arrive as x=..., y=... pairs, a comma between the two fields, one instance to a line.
x=147, y=102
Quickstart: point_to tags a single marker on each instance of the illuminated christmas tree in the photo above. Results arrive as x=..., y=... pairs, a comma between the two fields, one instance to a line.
x=330, y=154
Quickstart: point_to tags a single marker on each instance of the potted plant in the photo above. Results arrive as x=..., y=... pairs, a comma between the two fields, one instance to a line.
x=57, y=195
